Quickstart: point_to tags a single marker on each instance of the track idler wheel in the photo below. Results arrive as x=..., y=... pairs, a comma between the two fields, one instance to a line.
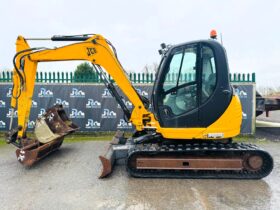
x=253, y=163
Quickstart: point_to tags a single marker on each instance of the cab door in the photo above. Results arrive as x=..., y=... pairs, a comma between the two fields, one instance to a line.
x=177, y=95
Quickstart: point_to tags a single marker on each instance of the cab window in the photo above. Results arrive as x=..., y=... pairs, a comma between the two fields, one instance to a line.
x=180, y=83
x=208, y=73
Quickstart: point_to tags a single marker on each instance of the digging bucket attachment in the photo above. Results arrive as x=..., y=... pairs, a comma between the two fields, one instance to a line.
x=32, y=153
x=50, y=130
x=108, y=160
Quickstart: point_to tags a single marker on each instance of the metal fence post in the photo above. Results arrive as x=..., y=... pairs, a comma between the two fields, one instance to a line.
x=66, y=77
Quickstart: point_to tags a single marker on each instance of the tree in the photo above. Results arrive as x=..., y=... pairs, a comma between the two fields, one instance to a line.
x=83, y=72
x=150, y=68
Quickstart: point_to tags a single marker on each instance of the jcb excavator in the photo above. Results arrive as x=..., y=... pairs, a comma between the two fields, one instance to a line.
x=188, y=133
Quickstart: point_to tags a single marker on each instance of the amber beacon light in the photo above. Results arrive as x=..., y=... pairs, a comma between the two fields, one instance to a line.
x=213, y=34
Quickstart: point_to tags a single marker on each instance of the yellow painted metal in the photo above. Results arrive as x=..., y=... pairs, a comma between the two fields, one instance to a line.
x=21, y=44
x=97, y=51
x=228, y=125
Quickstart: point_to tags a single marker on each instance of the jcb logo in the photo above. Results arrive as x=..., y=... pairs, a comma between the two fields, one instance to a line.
x=91, y=51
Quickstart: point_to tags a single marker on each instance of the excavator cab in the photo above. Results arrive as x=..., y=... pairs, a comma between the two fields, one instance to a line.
x=192, y=79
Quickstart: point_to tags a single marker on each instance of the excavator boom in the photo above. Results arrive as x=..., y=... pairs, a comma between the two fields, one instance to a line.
x=94, y=49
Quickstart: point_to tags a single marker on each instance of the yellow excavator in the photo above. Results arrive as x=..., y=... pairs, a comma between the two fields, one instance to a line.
x=187, y=133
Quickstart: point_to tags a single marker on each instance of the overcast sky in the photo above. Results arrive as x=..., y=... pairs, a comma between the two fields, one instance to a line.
x=250, y=29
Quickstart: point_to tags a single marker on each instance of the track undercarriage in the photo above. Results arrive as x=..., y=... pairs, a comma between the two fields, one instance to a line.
x=148, y=154
x=177, y=159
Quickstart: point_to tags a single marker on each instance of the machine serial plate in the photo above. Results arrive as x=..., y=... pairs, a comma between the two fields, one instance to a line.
x=215, y=135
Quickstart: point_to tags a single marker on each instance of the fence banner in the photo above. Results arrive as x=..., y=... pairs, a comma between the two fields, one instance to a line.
x=247, y=96
x=92, y=107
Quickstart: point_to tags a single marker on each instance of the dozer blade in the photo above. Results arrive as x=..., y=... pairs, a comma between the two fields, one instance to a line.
x=50, y=130
x=109, y=158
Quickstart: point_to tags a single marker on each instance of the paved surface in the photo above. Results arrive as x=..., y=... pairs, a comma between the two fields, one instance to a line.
x=269, y=127
x=274, y=116
x=68, y=180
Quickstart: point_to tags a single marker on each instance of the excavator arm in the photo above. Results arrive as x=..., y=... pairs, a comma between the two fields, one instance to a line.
x=95, y=49
x=51, y=128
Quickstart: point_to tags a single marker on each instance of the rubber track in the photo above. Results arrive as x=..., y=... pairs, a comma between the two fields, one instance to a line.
x=199, y=150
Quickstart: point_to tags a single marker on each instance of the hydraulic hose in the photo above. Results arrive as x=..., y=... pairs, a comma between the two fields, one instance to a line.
x=18, y=71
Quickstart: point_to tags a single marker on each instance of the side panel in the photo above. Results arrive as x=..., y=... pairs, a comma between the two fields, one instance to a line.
x=228, y=125
x=217, y=103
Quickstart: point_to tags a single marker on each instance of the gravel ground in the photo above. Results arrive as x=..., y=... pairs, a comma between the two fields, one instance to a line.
x=68, y=180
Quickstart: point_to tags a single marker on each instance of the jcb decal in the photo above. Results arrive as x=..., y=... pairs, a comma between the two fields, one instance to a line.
x=91, y=51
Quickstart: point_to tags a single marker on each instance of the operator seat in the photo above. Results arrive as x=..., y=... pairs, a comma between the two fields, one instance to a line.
x=208, y=86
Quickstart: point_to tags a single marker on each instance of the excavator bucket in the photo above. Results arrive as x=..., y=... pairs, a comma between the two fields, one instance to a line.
x=50, y=130
x=35, y=151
